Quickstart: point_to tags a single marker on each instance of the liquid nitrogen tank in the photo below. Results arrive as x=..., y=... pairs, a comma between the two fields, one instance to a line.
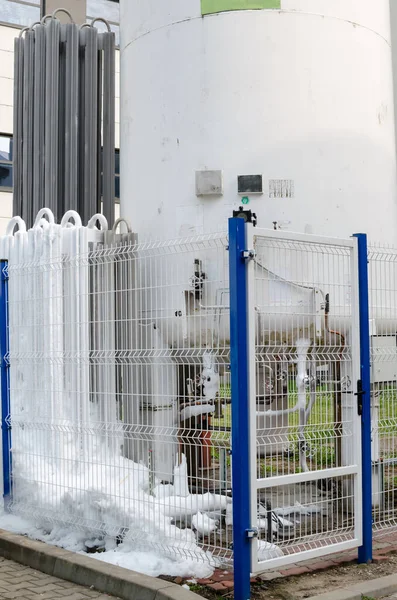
x=298, y=93
x=286, y=106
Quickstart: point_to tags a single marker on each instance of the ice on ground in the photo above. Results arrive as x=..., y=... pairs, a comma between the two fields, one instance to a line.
x=203, y=524
x=114, y=493
x=299, y=509
x=123, y=555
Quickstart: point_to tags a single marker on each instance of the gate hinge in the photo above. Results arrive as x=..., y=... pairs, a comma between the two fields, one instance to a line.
x=6, y=423
x=252, y=533
x=248, y=254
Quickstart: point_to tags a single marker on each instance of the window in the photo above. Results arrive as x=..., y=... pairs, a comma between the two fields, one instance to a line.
x=107, y=9
x=5, y=163
x=19, y=12
x=26, y=12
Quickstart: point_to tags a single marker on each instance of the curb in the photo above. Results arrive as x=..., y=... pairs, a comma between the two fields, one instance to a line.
x=86, y=571
x=375, y=588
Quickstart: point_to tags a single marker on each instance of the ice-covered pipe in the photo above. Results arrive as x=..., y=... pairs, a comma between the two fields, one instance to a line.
x=13, y=223
x=44, y=212
x=302, y=349
x=71, y=214
x=210, y=377
x=98, y=218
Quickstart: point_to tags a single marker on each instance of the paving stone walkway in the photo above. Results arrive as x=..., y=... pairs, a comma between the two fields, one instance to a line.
x=18, y=581
x=384, y=545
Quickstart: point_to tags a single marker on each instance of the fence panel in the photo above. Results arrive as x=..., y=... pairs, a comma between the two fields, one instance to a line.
x=120, y=396
x=383, y=329
x=305, y=339
x=121, y=401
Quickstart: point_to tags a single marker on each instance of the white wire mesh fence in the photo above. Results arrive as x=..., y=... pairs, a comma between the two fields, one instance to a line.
x=382, y=264
x=120, y=402
x=121, y=399
x=308, y=474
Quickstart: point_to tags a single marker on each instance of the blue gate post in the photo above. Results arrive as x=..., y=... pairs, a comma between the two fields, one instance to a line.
x=4, y=383
x=365, y=551
x=239, y=362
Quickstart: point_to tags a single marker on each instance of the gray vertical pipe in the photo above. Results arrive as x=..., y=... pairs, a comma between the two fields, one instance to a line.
x=81, y=112
x=71, y=117
x=51, y=133
x=27, y=129
x=108, y=126
x=39, y=118
x=17, y=138
x=99, y=125
x=90, y=115
x=49, y=118
x=62, y=122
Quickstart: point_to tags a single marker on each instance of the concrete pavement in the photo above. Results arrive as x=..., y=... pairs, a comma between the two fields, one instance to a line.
x=20, y=582
x=81, y=570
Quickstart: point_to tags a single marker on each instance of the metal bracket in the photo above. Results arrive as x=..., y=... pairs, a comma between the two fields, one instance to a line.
x=252, y=533
x=4, y=273
x=247, y=215
x=248, y=254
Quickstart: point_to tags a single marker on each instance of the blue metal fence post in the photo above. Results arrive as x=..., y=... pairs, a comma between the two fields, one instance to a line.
x=365, y=551
x=4, y=376
x=239, y=362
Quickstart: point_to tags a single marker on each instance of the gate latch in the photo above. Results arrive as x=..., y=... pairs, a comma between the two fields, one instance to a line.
x=252, y=533
x=360, y=393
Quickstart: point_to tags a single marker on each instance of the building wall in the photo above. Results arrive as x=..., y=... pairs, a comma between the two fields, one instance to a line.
x=7, y=35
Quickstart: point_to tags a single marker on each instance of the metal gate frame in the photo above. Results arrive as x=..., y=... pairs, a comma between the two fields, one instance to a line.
x=242, y=322
x=352, y=470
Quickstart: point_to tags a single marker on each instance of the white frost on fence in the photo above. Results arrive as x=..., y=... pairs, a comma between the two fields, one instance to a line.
x=69, y=475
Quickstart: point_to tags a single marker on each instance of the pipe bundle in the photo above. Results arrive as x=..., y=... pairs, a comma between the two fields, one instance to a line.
x=64, y=115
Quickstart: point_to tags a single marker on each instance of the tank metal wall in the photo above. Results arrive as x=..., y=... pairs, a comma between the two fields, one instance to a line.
x=302, y=96
x=393, y=19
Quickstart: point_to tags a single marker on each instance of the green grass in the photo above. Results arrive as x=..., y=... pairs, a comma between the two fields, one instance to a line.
x=195, y=587
x=226, y=421
x=267, y=470
x=320, y=430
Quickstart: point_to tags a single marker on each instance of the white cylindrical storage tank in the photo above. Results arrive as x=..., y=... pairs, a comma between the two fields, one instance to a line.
x=288, y=104
x=300, y=92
